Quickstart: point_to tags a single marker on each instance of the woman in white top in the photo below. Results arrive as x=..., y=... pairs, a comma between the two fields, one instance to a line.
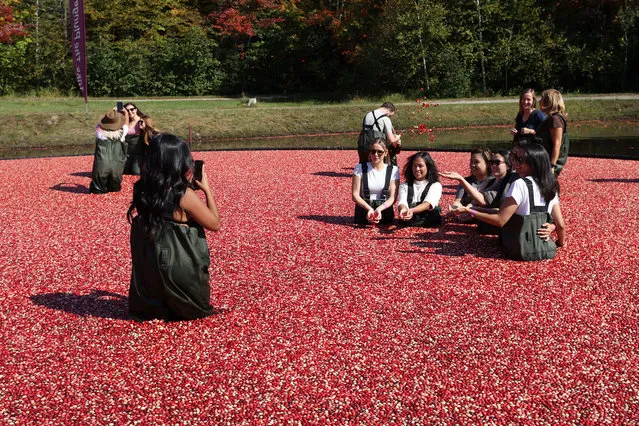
x=374, y=187
x=531, y=162
x=418, y=200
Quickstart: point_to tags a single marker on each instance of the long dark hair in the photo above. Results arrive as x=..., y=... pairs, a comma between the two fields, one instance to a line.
x=539, y=161
x=162, y=183
x=431, y=174
x=504, y=153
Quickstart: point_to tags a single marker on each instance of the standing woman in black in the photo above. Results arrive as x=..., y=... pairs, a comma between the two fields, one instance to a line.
x=553, y=132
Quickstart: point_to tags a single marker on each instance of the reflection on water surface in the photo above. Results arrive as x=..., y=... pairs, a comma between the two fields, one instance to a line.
x=607, y=147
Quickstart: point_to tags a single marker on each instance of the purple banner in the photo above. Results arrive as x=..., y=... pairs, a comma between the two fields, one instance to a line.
x=78, y=45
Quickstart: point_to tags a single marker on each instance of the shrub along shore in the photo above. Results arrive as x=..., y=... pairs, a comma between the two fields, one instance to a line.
x=31, y=123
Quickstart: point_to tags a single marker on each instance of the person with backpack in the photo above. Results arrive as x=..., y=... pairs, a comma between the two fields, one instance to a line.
x=374, y=187
x=418, y=199
x=553, y=132
x=377, y=125
x=530, y=203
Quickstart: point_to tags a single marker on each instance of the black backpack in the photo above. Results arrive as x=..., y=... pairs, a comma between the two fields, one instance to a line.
x=519, y=235
x=367, y=135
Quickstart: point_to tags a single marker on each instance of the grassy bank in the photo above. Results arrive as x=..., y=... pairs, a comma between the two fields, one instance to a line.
x=41, y=122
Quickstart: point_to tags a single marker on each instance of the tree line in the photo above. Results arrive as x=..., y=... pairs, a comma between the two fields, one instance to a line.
x=444, y=48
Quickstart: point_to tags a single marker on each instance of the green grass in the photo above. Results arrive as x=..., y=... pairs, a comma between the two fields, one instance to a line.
x=60, y=121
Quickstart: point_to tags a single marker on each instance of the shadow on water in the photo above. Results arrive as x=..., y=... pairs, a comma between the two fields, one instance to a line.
x=333, y=174
x=615, y=180
x=99, y=303
x=74, y=188
x=337, y=220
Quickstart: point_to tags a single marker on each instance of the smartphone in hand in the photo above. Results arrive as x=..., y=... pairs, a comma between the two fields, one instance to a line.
x=119, y=106
x=197, y=170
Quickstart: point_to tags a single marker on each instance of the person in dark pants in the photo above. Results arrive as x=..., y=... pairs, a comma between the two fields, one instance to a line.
x=553, y=132
x=377, y=125
x=133, y=138
x=110, y=152
x=169, y=253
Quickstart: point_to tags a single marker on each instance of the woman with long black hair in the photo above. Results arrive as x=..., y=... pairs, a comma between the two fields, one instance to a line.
x=170, y=255
x=418, y=200
x=532, y=163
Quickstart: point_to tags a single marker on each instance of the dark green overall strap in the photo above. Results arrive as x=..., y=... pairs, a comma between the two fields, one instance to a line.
x=562, y=119
x=531, y=200
x=389, y=172
x=375, y=123
x=365, y=191
x=411, y=193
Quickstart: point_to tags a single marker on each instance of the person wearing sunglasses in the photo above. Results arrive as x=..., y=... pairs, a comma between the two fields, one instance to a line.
x=532, y=163
x=374, y=187
x=131, y=167
x=491, y=194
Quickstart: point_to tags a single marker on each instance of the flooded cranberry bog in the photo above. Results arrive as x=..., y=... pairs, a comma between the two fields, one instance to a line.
x=318, y=322
x=587, y=139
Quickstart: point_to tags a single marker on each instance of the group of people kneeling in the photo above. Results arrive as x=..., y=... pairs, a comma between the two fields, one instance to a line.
x=504, y=190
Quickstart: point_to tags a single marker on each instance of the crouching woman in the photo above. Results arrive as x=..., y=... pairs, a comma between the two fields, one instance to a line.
x=374, y=187
x=524, y=214
x=169, y=252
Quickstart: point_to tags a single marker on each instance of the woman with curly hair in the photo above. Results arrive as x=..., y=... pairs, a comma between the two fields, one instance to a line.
x=170, y=255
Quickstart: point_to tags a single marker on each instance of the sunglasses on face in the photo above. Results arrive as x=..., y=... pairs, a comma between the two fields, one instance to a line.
x=496, y=162
x=516, y=158
x=131, y=109
x=377, y=151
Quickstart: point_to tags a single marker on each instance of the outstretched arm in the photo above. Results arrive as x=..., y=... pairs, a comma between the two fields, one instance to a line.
x=477, y=196
x=506, y=211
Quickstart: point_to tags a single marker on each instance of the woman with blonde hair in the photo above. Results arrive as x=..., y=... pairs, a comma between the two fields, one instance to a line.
x=374, y=187
x=147, y=131
x=553, y=132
